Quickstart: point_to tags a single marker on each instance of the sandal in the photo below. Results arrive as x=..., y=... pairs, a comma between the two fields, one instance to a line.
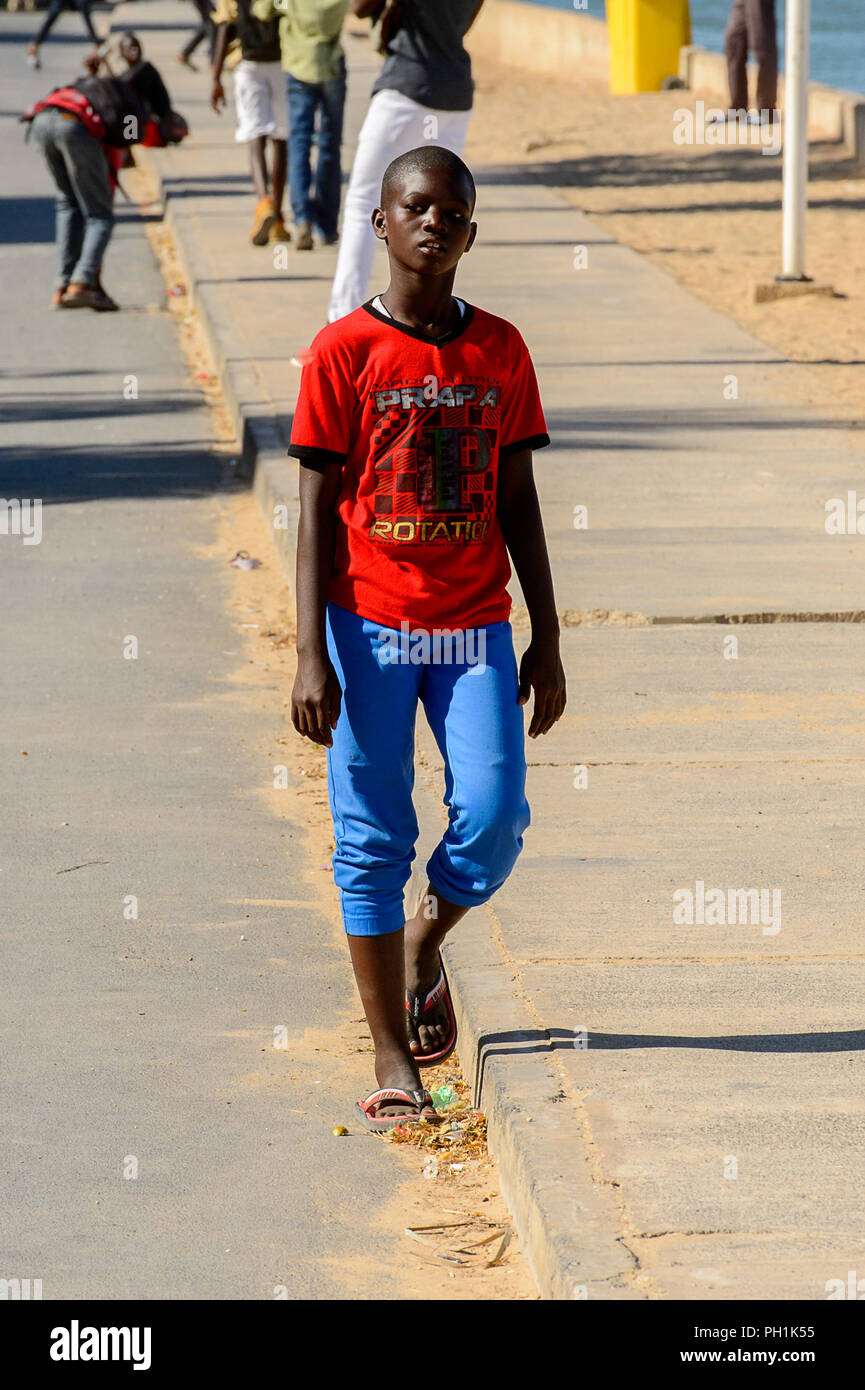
x=416, y=1010
x=366, y=1108
x=79, y=296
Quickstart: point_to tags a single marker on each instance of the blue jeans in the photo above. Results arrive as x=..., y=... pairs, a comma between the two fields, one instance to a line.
x=471, y=706
x=54, y=9
x=205, y=30
x=320, y=208
x=84, y=207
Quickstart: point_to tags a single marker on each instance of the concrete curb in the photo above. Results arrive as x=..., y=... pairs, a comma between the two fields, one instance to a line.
x=567, y=1219
x=263, y=458
x=565, y=1216
x=546, y=42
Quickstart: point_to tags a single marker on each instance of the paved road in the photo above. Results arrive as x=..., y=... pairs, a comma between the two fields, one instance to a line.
x=146, y=1039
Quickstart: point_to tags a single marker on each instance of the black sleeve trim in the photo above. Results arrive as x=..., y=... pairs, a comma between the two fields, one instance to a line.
x=534, y=441
x=311, y=455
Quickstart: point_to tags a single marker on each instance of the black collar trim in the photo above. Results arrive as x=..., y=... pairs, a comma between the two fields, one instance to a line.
x=418, y=332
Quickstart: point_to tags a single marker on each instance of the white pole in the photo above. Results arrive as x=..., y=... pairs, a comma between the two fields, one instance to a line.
x=795, y=138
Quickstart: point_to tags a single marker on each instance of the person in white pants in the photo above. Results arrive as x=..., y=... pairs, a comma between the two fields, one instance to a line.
x=422, y=95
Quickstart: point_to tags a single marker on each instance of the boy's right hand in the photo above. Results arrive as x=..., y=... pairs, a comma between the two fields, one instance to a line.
x=316, y=699
x=217, y=96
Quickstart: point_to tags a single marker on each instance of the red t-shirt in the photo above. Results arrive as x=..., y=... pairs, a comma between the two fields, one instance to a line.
x=419, y=425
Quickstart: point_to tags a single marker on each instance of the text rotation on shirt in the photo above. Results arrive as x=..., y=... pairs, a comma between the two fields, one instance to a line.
x=433, y=451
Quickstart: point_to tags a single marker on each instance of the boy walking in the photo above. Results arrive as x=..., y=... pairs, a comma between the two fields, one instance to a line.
x=314, y=63
x=415, y=427
x=262, y=109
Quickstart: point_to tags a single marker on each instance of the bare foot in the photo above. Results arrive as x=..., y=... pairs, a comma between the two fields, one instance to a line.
x=422, y=973
x=398, y=1072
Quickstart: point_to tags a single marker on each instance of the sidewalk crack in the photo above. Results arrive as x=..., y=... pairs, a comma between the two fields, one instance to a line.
x=614, y=617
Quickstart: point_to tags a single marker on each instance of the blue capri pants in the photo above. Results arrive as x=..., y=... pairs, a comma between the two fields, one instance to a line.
x=471, y=705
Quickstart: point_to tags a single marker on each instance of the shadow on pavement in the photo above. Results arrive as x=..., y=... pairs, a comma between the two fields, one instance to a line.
x=26, y=220
x=645, y=170
x=851, y=1041
x=100, y=406
x=525, y=1042
x=89, y=474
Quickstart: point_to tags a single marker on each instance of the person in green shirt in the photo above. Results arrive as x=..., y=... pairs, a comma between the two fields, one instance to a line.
x=312, y=56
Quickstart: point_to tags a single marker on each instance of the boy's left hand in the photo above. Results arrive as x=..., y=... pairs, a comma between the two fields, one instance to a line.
x=541, y=670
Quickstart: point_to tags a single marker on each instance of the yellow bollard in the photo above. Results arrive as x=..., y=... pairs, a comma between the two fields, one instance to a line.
x=645, y=37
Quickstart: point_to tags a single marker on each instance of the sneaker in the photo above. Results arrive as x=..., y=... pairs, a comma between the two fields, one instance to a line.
x=265, y=216
x=88, y=297
x=33, y=57
x=731, y=117
x=303, y=237
x=328, y=238
x=279, y=231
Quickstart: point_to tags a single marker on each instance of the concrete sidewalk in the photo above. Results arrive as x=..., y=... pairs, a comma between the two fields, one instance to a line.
x=676, y=1108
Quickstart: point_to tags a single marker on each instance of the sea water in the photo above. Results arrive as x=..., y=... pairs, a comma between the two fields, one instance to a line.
x=837, y=34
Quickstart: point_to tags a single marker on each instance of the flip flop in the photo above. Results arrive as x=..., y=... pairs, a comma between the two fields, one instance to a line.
x=366, y=1108
x=416, y=1010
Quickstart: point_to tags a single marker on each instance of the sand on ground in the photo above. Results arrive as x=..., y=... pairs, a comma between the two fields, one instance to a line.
x=709, y=216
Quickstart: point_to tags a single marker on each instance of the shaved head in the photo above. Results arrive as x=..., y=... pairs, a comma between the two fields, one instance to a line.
x=427, y=158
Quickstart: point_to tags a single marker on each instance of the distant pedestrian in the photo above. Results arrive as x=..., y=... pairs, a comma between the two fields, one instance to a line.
x=145, y=78
x=423, y=95
x=312, y=56
x=206, y=30
x=751, y=27
x=165, y=126
x=83, y=131
x=261, y=106
x=51, y=16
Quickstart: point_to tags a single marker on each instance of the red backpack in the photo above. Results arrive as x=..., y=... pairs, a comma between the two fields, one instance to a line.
x=70, y=99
